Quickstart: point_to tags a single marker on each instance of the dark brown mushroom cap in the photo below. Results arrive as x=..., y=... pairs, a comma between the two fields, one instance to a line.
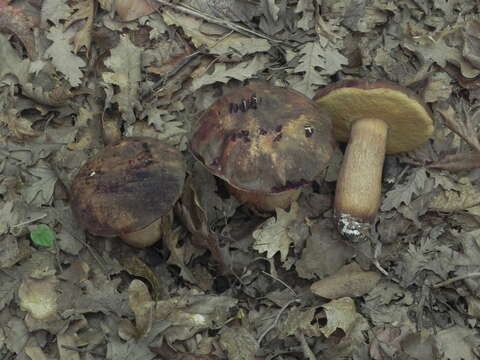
x=127, y=186
x=409, y=121
x=263, y=138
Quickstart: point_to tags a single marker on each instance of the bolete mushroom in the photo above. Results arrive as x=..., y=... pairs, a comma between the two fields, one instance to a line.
x=128, y=190
x=265, y=142
x=375, y=118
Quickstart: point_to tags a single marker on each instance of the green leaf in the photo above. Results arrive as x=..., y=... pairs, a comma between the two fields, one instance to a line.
x=43, y=235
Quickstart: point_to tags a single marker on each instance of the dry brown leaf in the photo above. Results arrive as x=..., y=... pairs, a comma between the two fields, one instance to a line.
x=39, y=297
x=200, y=311
x=417, y=183
x=125, y=61
x=300, y=321
x=464, y=197
x=341, y=314
x=274, y=234
x=458, y=162
x=316, y=64
x=136, y=267
x=325, y=252
x=239, y=343
x=56, y=97
x=233, y=45
x=466, y=129
x=142, y=305
x=129, y=10
x=349, y=281
x=35, y=353
x=221, y=73
x=180, y=255
x=85, y=11
x=456, y=342
x=196, y=219
x=14, y=20
x=18, y=126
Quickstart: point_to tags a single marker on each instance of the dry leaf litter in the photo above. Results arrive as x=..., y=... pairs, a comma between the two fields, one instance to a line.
x=225, y=283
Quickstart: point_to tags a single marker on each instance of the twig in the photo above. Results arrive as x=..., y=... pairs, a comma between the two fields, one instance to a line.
x=274, y=323
x=305, y=347
x=183, y=63
x=29, y=221
x=281, y=282
x=94, y=255
x=456, y=278
x=215, y=20
x=7, y=274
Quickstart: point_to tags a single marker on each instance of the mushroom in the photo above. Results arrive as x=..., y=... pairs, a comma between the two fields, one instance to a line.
x=128, y=189
x=265, y=142
x=375, y=118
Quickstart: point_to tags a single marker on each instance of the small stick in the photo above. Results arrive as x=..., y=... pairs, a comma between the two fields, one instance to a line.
x=215, y=20
x=281, y=282
x=456, y=278
x=29, y=221
x=305, y=347
x=274, y=323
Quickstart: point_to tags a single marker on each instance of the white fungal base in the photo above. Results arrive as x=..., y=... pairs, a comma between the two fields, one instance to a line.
x=352, y=228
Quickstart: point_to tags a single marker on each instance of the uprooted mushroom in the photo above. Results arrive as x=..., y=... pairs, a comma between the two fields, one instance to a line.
x=374, y=118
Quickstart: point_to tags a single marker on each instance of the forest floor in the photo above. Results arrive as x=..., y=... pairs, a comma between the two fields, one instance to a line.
x=226, y=283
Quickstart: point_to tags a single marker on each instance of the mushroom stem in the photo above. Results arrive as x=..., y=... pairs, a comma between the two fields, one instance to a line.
x=357, y=197
x=145, y=237
x=150, y=234
x=266, y=202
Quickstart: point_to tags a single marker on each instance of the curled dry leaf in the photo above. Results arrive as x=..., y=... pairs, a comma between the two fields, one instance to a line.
x=14, y=20
x=142, y=305
x=350, y=281
x=197, y=218
x=136, y=267
x=85, y=11
x=19, y=127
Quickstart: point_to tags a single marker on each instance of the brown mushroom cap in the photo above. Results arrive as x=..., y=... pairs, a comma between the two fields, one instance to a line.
x=278, y=141
x=409, y=122
x=127, y=186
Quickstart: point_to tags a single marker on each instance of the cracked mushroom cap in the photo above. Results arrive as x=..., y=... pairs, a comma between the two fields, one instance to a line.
x=409, y=121
x=264, y=139
x=127, y=186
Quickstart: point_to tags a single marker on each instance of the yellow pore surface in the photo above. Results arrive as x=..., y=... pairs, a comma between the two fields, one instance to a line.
x=409, y=123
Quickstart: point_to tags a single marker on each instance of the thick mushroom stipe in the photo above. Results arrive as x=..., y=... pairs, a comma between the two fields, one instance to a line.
x=367, y=146
x=265, y=142
x=375, y=118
